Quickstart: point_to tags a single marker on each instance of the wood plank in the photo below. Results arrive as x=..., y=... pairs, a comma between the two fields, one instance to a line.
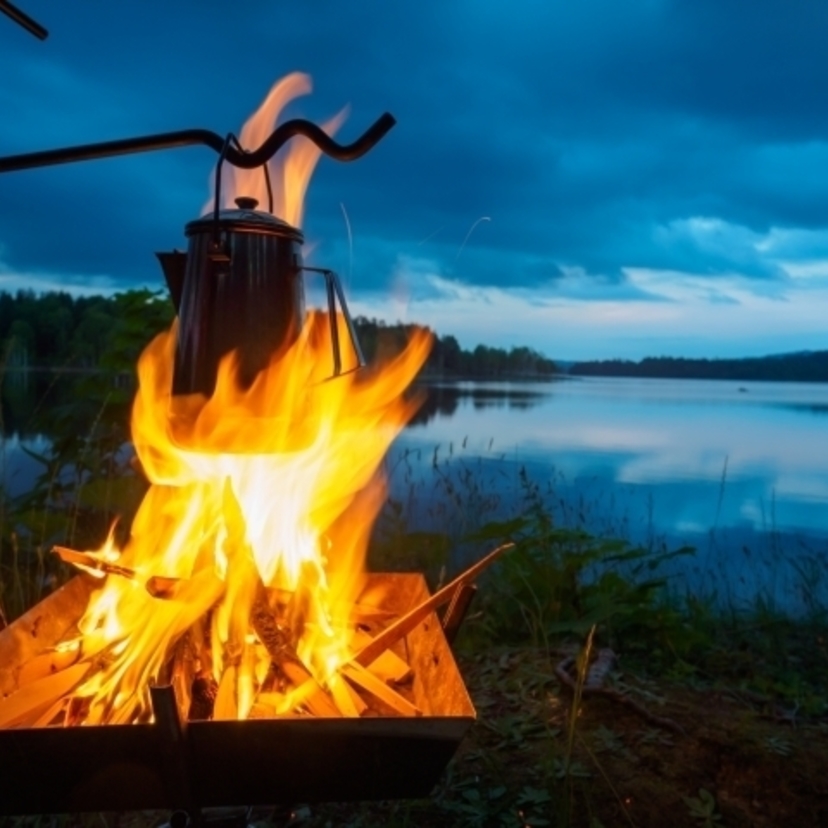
x=412, y=619
x=377, y=687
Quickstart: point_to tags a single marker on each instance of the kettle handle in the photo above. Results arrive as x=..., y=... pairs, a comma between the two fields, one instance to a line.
x=334, y=291
x=217, y=252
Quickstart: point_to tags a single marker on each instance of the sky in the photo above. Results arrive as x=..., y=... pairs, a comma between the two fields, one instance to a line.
x=593, y=180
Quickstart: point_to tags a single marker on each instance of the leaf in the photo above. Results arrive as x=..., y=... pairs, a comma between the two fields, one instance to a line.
x=495, y=530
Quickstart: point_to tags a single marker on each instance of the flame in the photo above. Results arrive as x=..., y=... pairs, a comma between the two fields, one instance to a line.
x=275, y=486
x=260, y=506
x=290, y=169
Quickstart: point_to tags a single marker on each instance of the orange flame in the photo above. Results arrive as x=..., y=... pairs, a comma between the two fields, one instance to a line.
x=275, y=485
x=267, y=490
x=290, y=170
x=246, y=556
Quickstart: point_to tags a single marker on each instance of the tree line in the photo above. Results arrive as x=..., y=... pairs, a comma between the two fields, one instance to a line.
x=809, y=366
x=448, y=359
x=58, y=330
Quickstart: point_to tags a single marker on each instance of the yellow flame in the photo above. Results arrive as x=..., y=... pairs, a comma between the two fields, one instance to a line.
x=267, y=490
x=290, y=169
x=275, y=485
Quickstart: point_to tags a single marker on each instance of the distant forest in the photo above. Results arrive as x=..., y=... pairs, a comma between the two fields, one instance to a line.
x=107, y=333
x=57, y=330
x=811, y=366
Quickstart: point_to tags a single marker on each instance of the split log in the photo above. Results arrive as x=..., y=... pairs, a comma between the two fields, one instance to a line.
x=52, y=713
x=388, y=665
x=391, y=668
x=48, y=663
x=203, y=697
x=277, y=641
x=347, y=699
x=399, y=629
x=34, y=699
x=226, y=706
x=378, y=688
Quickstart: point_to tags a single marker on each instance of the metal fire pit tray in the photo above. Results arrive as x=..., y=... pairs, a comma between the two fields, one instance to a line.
x=191, y=765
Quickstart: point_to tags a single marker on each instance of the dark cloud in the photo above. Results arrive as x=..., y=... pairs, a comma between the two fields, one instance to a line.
x=592, y=134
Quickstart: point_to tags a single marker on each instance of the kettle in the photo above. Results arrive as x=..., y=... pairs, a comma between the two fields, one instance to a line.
x=239, y=285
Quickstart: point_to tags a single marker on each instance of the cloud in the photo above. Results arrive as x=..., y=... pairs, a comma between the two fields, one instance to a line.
x=602, y=139
x=12, y=281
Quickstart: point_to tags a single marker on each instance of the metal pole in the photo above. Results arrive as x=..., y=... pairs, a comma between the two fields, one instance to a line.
x=23, y=19
x=189, y=137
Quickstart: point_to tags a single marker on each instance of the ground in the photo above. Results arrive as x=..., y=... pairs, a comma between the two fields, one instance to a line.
x=735, y=759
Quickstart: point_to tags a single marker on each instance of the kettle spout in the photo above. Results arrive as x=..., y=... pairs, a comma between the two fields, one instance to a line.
x=174, y=266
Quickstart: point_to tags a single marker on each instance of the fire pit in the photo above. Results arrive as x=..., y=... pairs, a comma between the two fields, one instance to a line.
x=174, y=763
x=234, y=651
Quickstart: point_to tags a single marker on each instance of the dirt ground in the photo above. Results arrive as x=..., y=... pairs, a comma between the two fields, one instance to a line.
x=729, y=758
x=733, y=760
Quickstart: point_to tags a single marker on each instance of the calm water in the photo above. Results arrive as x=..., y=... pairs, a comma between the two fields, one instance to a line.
x=738, y=470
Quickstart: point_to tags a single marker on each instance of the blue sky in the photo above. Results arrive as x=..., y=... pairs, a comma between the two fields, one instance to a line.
x=654, y=173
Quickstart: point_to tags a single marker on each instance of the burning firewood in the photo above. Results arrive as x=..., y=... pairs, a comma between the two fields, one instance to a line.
x=34, y=699
x=278, y=642
x=365, y=679
x=408, y=622
x=375, y=672
x=204, y=689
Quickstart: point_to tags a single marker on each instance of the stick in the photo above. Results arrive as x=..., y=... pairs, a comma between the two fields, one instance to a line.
x=377, y=687
x=561, y=671
x=157, y=585
x=87, y=561
x=277, y=641
x=393, y=633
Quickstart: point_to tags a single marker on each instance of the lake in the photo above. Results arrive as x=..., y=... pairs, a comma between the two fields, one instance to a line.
x=738, y=470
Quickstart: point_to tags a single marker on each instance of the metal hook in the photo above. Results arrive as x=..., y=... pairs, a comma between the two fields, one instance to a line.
x=217, y=254
x=189, y=137
x=21, y=18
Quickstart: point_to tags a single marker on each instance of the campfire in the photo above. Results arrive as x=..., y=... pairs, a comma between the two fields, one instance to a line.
x=238, y=624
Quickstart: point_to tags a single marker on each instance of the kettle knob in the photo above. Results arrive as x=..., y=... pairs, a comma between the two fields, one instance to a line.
x=247, y=203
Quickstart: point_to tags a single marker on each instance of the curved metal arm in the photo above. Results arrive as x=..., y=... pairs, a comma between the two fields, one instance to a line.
x=191, y=137
x=20, y=17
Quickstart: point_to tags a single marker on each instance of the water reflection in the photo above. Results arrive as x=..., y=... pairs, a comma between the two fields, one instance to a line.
x=683, y=460
x=443, y=399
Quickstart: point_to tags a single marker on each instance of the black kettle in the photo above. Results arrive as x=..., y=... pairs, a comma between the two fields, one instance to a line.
x=239, y=286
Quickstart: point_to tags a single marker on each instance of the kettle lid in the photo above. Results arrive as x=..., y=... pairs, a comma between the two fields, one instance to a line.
x=244, y=219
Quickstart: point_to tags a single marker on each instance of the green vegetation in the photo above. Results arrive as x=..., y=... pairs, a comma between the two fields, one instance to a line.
x=56, y=330
x=85, y=480
x=808, y=366
x=711, y=715
x=448, y=359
